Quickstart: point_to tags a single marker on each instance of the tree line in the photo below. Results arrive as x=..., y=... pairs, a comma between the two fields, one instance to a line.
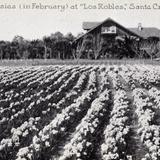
x=59, y=46
x=56, y=45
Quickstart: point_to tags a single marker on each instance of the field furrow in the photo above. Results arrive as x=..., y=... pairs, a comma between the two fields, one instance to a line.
x=31, y=112
x=80, y=112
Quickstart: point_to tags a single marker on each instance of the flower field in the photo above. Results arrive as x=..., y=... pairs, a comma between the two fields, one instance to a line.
x=80, y=112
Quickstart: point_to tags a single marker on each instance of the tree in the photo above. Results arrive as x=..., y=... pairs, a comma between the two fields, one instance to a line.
x=2, y=46
x=54, y=46
x=6, y=50
x=69, y=37
x=21, y=46
x=47, y=47
x=58, y=36
x=36, y=49
x=61, y=45
x=18, y=39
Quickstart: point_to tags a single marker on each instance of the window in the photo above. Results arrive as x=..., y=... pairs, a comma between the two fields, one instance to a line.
x=108, y=30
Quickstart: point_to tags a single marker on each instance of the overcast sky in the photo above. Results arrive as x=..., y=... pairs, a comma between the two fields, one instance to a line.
x=35, y=23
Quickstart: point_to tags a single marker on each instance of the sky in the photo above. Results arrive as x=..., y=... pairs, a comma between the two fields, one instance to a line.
x=34, y=23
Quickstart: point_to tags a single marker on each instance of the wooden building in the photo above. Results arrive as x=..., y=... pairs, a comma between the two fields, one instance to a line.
x=109, y=39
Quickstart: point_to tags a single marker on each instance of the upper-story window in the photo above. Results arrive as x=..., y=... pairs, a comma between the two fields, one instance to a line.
x=108, y=30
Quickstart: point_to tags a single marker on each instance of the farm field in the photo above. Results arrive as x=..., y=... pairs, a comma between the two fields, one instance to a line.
x=80, y=112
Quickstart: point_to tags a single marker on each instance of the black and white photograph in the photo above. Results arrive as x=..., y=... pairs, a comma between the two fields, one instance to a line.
x=79, y=80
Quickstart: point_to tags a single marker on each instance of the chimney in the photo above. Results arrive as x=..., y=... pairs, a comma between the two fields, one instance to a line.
x=140, y=26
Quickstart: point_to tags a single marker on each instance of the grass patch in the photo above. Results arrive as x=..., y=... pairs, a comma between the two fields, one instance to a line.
x=37, y=62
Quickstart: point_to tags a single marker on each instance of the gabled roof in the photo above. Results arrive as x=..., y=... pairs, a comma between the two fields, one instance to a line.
x=111, y=20
x=89, y=25
x=145, y=32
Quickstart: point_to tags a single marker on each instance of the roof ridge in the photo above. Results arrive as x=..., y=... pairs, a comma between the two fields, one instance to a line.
x=109, y=19
x=98, y=22
x=144, y=27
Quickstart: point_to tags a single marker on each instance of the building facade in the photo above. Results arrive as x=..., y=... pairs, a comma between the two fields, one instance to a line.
x=109, y=39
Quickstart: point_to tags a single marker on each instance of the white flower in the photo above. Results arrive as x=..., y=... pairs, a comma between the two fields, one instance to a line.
x=22, y=152
x=47, y=144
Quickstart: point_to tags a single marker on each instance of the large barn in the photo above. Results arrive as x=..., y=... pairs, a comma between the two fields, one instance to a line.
x=109, y=39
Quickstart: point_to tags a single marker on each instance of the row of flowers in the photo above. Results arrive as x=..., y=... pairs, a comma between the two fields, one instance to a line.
x=74, y=93
x=12, y=93
x=114, y=146
x=27, y=98
x=47, y=136
x=21, y=78
x=16, y=74
x=116, y=82
x=141, y=75
x=104, y=81
x=155, y=94
x=151, y=73
x=46, y=77
x=6, y=143
x=41, y=105
x=24, y=128
x=15, y=107
x=127, y=73
x=19, y=83
x=149, y=132
x=80, y=144
x=5, y=84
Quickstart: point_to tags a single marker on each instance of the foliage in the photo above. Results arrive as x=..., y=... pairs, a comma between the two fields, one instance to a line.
x=56, y=45
x=66, y=112
x=59, y=46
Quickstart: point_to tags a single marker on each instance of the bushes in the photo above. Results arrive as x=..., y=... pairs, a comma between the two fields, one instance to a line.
x=54, y=46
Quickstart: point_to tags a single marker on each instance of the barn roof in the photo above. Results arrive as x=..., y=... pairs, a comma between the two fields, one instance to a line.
x=145, y=32
x=89, y=25
x=97, y=24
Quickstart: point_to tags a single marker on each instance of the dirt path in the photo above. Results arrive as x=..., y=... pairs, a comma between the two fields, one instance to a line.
x=135, y=147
